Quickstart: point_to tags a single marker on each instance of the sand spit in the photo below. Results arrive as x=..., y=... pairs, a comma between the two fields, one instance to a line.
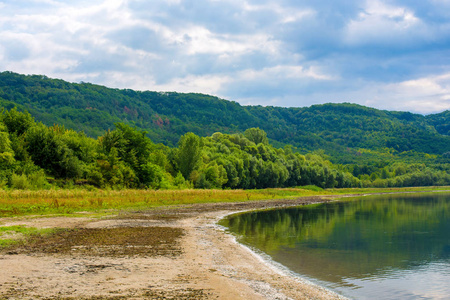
x=179, y=253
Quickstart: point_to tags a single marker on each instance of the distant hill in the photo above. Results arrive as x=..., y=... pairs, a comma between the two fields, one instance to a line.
x=347, y=132
x=441, y=122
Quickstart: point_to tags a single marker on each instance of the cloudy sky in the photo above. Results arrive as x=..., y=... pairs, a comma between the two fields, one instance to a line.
x=385, y=54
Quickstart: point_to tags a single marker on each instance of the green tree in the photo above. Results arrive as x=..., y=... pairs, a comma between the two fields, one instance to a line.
x=48, y=150
x=136, y=147
x=189, y=153
x=257, y=136
x=17, y=122
x=6, y=152
x=135, y=150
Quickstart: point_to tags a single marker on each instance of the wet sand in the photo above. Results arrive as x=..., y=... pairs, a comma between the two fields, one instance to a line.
x=168, y=253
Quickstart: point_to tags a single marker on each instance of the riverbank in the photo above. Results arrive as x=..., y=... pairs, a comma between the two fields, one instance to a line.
x=15, y=203
x=180, y=253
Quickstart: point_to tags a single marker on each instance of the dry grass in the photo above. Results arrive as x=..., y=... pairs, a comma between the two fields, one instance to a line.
x=19, y=202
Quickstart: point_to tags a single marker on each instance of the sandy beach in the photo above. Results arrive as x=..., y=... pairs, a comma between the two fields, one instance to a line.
x=169, y=253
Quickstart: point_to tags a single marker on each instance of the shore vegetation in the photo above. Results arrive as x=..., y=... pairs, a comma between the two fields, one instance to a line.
x=38, y=157
x=79, y=202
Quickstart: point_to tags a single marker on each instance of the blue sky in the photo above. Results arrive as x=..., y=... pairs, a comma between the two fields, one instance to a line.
x=391, y=55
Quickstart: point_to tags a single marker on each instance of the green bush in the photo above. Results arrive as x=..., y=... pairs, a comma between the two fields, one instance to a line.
x=19, y=182
x=37, y=180
x=33, y=181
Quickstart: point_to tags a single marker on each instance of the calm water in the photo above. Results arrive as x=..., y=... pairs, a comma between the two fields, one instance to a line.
x=377, y=247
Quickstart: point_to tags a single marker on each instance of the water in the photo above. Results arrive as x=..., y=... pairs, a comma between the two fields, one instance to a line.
x=377, y=247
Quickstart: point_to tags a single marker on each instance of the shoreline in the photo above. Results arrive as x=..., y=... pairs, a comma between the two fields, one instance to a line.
x=280, y=269
x=185, y=255
x=205, y=262
x=273, y=265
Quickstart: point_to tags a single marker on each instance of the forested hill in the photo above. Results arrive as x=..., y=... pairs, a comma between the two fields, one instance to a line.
x=345, y=131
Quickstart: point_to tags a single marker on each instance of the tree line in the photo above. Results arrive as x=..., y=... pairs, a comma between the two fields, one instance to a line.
x=36, y=156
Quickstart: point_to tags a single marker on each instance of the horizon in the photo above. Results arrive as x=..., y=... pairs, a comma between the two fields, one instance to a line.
x=389, y=55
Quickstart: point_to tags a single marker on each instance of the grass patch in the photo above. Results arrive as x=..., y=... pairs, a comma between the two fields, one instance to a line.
x=64, y=202
x=312, y=188
x=13, y=235
x=16, y=229
x=6, y=243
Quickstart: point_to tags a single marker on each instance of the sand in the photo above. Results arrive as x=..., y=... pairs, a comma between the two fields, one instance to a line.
x=197, y=259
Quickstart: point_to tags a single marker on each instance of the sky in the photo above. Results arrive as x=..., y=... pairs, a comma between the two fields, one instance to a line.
x=392, y=55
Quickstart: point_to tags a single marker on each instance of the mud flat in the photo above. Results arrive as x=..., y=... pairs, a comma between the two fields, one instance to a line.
x=170, y=253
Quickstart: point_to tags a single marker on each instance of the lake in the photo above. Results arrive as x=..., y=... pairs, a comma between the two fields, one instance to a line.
x=374, y=247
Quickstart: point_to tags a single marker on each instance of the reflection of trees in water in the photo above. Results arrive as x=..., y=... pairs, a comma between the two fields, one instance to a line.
x=354, y=236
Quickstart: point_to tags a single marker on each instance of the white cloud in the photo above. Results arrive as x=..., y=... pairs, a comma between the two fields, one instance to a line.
x=197, y=40
x=196, y=84
x=288, y=53
x=380, y=23
x=283, y=71
x=284, y=14
x=426, y=95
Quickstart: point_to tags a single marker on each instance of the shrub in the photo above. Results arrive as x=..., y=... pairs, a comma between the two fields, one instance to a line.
x=19, y=182
x=33, y=181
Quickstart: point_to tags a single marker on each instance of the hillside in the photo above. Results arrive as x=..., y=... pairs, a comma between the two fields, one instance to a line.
x=348, y=132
